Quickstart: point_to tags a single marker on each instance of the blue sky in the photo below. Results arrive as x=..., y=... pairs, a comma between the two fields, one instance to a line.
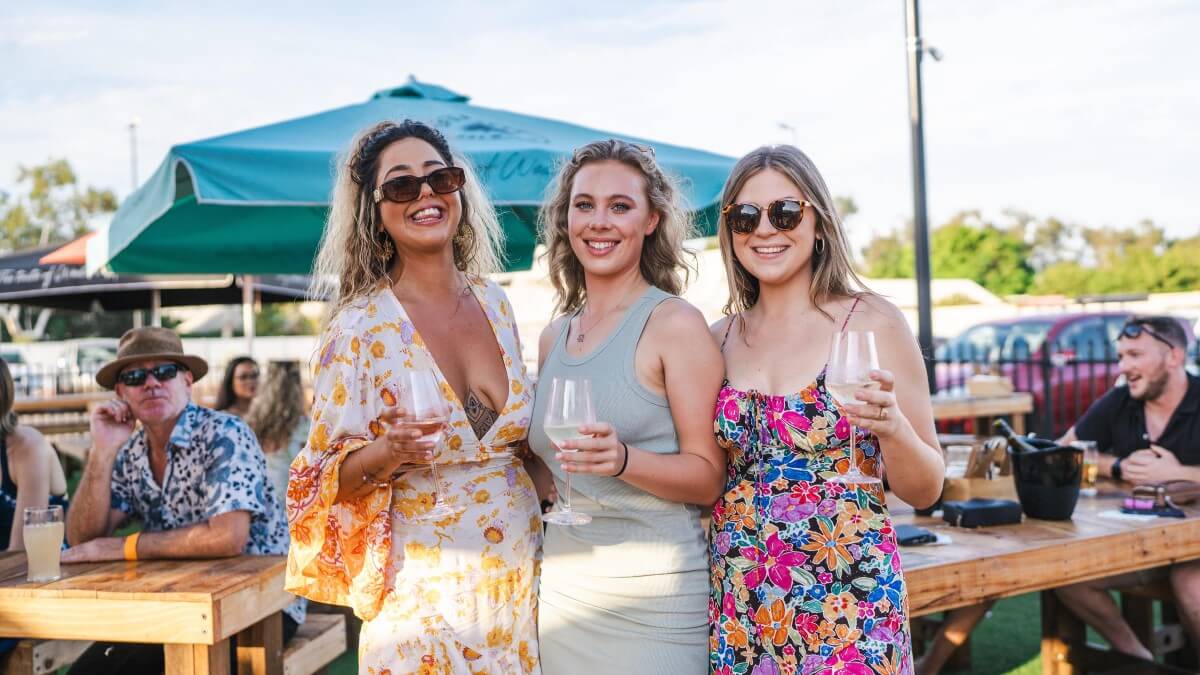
x=1083, y=110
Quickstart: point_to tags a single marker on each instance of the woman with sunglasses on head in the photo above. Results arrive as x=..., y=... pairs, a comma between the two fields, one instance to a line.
x=238, y=386
x=806, y=573
x=410, y=233
x=626, y=592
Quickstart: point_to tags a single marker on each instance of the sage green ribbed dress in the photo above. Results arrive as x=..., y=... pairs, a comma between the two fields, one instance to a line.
x=628, y=592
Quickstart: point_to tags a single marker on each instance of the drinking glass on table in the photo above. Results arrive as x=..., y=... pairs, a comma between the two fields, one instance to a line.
x=421, y=397
x=43, y=531
x=570, y=406
x=851, y=360
x=1091, y=466
x=958, y=459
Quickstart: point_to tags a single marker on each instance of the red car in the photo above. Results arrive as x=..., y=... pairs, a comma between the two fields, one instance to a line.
x=1069, y=360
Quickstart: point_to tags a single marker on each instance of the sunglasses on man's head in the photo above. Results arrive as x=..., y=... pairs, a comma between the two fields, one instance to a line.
x=783, y=214
x=407, y=188
x=136, y=377
x=1134, y=329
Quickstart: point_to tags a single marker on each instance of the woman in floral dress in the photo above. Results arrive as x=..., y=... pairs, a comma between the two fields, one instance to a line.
x=409, y=234
x=806, y=575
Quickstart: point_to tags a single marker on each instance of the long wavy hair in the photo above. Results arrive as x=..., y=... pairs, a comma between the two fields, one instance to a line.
x=664, y=262
x=226, y=399
x=351, y=259
x=278, y=407
x=833, y=273
x=8, y=416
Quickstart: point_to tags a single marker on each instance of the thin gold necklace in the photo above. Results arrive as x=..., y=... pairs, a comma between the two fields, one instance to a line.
x=583, y=333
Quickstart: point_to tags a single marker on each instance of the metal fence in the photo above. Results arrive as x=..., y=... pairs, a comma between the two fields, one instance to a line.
x=1063, y=383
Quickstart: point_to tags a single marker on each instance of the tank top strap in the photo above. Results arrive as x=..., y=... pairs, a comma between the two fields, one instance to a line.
x=849, y=314
x=728, y=327
x=629, y=335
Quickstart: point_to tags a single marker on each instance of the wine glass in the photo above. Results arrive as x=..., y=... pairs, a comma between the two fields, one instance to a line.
x=851, y=360
x=570, y=406
x=421, y=397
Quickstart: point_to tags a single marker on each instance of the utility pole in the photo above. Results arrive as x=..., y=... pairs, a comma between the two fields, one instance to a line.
x=133, y=174
x=920, y=218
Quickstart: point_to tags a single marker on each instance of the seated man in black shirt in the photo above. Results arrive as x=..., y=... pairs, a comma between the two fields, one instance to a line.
x=1149, y=430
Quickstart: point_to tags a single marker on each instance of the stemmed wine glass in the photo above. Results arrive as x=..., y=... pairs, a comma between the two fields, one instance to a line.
x=851, y=360
x=570, y=406
x=422, y=398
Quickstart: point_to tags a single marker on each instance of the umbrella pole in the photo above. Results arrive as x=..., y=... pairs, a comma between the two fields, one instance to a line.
x=156, y=307
x=248, y=312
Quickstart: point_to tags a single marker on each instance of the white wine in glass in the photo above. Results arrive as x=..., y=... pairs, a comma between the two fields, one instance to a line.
x=851, y=360
x=422, y=398
x=570, y=406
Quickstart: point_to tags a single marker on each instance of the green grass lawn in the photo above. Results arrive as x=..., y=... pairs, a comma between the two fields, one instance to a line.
x=1007, y=641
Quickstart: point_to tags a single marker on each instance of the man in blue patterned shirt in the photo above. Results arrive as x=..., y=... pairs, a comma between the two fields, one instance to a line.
x=194, y=477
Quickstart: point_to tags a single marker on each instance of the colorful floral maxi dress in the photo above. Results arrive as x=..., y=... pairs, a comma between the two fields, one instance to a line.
x=449, y=596
x=806, y=573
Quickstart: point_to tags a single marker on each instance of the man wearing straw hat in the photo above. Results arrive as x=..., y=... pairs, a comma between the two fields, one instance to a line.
x=195, y=478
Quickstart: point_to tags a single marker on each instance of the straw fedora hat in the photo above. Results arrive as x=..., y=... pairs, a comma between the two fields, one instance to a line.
x=149, y=344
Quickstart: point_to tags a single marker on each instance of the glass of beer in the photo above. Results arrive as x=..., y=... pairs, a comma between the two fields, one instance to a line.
x=43, y=533
x=1091, y=467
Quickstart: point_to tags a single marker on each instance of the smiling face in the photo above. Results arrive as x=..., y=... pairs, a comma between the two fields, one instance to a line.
x=427, y=224
x=609, y=217
x=154, y=402
x=770, y=255
x=1147, y=365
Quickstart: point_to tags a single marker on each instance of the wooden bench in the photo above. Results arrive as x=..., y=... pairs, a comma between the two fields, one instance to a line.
x=318, y=641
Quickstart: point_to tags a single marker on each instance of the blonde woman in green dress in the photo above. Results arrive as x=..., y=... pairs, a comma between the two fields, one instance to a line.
x=627, y=592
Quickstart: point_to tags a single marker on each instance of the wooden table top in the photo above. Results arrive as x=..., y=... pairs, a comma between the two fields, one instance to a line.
x=79, y=402
x=997, y=562
x=154, y=601
x=963, y=405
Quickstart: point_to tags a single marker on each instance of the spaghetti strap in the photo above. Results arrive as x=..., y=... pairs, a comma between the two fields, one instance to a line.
x=728, y=326
x=849, y=314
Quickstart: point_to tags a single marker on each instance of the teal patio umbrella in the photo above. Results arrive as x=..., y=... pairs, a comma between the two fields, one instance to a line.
x=254, y=201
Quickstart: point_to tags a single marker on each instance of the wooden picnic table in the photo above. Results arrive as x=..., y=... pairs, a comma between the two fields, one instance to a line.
x=1038, y=555
x=983, y=408
x=191, y=607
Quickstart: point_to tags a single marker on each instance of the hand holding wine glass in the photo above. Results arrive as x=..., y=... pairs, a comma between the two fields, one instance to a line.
x=429, y=412
x=570, y=407
x=850, y=378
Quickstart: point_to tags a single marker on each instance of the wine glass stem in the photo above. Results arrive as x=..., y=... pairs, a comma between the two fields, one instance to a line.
x=566, y=498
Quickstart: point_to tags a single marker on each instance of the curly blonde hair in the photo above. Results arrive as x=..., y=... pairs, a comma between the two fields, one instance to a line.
x=664, y=262
x=278, y=407
x=352, y=257
x=833, y=273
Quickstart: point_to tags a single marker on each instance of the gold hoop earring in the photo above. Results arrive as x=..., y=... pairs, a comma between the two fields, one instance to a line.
x=819, y=246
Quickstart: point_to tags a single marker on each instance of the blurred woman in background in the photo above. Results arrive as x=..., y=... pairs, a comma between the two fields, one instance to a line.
x=278, y=417
x=30, y=474
x=238, y=387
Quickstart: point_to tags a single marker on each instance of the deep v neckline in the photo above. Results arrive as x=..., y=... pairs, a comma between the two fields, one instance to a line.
x=456, y=400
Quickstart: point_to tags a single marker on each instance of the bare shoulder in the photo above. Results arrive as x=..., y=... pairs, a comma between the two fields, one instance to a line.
x=719, y=327
x=879, y=314
x=24, y=443
x=677, y=318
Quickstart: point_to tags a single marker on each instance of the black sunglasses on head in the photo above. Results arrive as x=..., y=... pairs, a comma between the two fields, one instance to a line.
x=137, y=376
x=403, y=189
x=783, y=214
x=1134, y=329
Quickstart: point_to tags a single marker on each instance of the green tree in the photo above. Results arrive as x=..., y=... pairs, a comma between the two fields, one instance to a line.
x=889, y=256
x=54, y=207
x=967, y=247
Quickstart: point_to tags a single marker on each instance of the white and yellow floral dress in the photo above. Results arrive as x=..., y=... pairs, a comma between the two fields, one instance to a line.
x=456, y=595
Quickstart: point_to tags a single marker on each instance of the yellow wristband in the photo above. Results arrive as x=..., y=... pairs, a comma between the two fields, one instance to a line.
x=131, y=546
